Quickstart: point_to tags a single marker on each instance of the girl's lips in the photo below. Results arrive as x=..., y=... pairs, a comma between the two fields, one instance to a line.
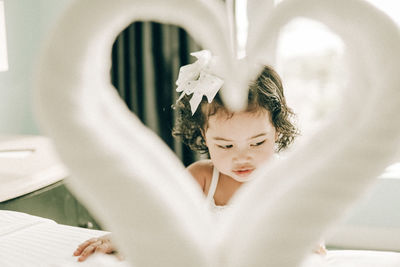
x=243, y=172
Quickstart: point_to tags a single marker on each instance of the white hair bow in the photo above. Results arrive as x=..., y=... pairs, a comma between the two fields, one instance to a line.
x=198, y=79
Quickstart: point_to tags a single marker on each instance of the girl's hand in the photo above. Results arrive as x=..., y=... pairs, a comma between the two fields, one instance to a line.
x=320, y=249
x=101, y=244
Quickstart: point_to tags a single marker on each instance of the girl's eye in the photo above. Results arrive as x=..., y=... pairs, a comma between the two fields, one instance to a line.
x=225, y=146
x=259, y=143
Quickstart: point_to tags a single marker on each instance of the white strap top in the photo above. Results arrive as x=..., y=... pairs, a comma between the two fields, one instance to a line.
x=213, y=186
x=211, y=192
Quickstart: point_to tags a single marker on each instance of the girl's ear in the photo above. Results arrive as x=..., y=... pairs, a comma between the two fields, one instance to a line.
x=276, y=135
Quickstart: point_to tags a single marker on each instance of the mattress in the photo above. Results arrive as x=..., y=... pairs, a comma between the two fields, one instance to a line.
x=27, y=240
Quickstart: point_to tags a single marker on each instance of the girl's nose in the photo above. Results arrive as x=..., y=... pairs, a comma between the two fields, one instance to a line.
x=242, y=156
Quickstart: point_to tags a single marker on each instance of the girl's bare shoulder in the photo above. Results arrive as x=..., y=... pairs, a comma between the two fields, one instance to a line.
x=202, y=171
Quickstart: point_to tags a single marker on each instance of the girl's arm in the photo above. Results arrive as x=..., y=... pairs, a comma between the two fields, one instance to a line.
x=103, y=244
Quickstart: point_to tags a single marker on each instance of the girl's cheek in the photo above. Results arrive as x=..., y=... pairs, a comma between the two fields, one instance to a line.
x=219, y=153
x=215, y=153
x=265, y=154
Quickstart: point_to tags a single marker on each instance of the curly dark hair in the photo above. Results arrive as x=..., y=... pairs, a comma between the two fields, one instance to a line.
x=265, y=92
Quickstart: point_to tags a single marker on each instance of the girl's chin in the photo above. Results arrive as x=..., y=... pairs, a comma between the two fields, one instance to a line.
x=241, y=179
x=242, y=176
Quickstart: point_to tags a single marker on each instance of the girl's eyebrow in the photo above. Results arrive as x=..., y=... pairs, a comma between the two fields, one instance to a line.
x=228, y=140
x=221, y=139
x=258, y=135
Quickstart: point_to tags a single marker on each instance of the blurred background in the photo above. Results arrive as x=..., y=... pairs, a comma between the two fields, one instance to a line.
x=146, y=59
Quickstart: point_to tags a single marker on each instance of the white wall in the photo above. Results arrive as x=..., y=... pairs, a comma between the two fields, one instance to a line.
x=27, y=22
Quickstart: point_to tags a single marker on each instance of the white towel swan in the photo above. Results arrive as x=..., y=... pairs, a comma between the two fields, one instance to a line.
x=126, y=175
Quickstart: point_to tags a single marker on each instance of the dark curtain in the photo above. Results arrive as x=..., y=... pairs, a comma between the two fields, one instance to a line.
x=146, y=58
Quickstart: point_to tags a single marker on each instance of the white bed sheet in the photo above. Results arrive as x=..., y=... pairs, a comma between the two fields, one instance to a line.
x=27, y=240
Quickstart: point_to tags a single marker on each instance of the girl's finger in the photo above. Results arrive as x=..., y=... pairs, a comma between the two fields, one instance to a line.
x=85, y=244
x=104, y=248
x=89, y=250
x=320, y=250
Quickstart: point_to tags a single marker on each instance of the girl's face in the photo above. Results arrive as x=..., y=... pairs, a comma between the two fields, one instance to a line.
x=240, y=144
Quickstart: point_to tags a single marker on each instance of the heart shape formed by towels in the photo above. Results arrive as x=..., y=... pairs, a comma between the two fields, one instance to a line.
x=130, y=179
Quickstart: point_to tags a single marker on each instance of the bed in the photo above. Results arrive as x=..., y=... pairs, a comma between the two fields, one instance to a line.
x=27, y=240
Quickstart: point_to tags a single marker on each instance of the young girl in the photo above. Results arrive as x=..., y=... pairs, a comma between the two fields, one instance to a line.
x=237, y=143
